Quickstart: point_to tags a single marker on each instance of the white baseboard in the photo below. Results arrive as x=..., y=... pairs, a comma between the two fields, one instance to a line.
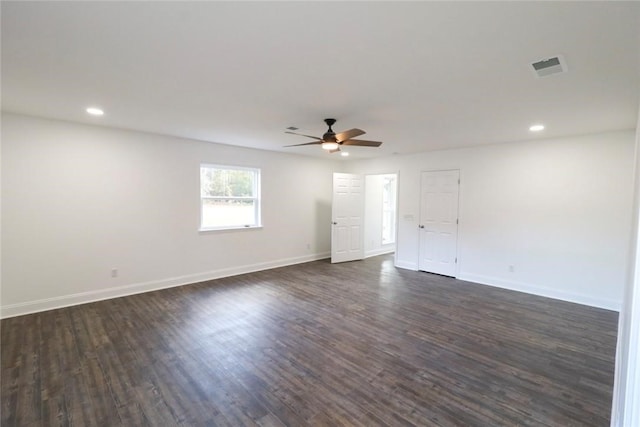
x=407, y=265
x=28, y=307
x=381, y=251
x=608, y=304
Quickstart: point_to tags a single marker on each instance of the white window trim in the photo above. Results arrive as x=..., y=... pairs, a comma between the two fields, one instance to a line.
x=257, y=199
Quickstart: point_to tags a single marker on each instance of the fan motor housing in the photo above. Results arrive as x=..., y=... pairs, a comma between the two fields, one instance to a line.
x=329, y=137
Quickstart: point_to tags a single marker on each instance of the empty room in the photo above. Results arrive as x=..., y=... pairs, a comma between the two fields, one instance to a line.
x=320, y=213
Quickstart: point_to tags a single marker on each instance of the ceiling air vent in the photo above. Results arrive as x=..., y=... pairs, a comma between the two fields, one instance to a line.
x=550, y=66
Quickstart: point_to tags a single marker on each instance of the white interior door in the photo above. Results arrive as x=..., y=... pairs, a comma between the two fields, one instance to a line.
x=347, y=236
x=439, y=222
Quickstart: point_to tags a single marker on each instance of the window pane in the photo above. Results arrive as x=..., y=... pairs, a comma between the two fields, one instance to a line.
x=388, y=229
x=388, y=209
x=228, y=213
x=230, y=197
x=227, y=182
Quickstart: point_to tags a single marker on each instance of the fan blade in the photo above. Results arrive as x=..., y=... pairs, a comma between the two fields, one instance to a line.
x=362, y=143
x=301, y=134
x=306, y=143
x=348, y=134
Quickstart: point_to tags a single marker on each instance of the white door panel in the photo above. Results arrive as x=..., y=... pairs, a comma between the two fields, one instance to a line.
x=347, y=239
x=439, y=222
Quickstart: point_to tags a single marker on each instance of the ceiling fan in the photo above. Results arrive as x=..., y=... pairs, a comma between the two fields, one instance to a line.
x=332, y=141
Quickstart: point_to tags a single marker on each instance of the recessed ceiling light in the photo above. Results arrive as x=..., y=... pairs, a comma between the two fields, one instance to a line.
x=95, y=111
x=536, y=128
x=344, y=153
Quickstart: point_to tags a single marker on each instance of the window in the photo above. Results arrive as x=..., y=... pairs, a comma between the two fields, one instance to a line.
x=388, y=209
x=229, y=197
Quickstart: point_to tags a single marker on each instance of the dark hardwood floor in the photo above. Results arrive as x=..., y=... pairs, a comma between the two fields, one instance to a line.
x=359, y=343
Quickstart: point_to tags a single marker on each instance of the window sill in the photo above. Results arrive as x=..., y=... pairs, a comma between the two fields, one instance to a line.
x=234, y=228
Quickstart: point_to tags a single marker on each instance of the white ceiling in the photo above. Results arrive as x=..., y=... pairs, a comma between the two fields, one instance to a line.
x=417, y=75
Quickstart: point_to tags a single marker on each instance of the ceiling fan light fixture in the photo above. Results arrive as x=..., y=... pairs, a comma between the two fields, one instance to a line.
x=95, y=111
x=332, y=141
x=330, y=146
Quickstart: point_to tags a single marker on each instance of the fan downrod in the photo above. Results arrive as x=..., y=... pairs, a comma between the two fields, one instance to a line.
x=330, y=122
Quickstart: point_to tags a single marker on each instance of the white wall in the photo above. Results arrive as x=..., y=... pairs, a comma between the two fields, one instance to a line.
x=558, y=210
x=373, y=218
x=80, y=200
x=626, y=391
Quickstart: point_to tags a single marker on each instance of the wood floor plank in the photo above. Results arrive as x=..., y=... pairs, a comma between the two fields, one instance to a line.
x=353, y=344
x=28, y=387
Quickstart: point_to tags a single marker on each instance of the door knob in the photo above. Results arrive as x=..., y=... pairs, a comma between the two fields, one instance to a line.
x=334, y=223
x=421, y=226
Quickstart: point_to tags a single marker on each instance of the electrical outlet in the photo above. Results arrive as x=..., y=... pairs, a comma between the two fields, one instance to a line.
x=308, y=245
x=114, y=272
x=511, y=269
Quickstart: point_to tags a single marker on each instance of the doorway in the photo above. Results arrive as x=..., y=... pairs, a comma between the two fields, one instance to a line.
x=380, y=214
x=364, y=217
